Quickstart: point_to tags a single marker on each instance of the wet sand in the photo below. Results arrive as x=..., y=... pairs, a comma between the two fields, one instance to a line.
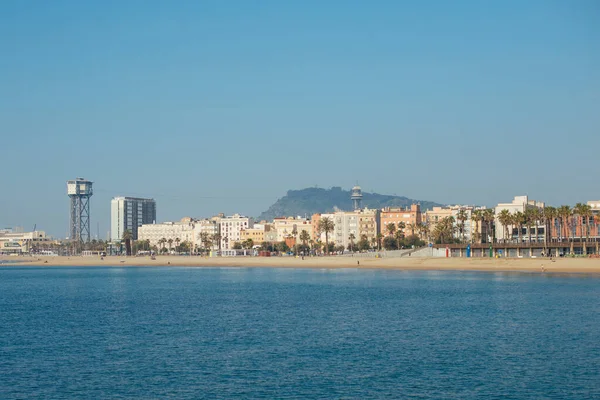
x=563, y=265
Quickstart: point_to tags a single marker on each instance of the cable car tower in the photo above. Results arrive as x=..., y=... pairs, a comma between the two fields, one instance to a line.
x=79, y=192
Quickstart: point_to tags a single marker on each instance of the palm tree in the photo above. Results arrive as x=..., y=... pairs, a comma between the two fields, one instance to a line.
x=476, y=217
x=489, y=216
x=326, y=225
x=216, y=238
x=505, y=218
x=564, y=213
x=170, y=241
x=518, y=220
x=304, y=237
x=528, y=218
x=177, y=240
x=401, y=226
x=587, y=213
x=351, y=238
x=127, y=237
x=461, y=217
x=399, y=236
x=378, y=240
x=548, y=214
x=584, y=212
x=162, y=242
x=391, y=228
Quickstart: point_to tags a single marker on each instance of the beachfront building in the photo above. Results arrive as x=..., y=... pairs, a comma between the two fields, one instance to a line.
x=209, y=228
x=230, y=228
x=256, y=233
x=464, y=225
x=409, y=217
x=577, y=227
x=291, y=227
x=510, y=233
x=167, y=235
x=346, y=223
x=130, y=213
x=24, y=242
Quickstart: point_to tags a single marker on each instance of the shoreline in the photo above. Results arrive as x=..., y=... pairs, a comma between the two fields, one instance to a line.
x=561, y=265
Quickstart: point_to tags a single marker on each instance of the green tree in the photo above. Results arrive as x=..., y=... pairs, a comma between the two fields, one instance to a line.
x=326, y=226
x=391, y=228
x=127, y=238
x=476, y=219
x=304, y=237
x=461, y=218
x=351, y=238
x=505, y=219
x=170, y=241
x=565, y=213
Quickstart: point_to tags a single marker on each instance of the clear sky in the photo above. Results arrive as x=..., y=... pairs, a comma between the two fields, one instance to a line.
x=222, y=106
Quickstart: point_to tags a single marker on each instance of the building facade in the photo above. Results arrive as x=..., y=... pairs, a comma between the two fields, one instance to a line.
x=231, y=229
x=130, y=213
x=409, y=217
x=511, y=233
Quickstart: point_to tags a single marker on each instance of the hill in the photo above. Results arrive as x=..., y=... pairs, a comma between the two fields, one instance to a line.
x=305, y=202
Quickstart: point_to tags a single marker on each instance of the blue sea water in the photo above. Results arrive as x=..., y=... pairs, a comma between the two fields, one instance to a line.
x=143, y=333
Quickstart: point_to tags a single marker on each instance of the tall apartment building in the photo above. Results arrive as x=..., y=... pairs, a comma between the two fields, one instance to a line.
x=231, y=228
x=129, y=213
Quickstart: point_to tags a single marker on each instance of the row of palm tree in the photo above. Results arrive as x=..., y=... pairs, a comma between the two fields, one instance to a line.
x=564, y=219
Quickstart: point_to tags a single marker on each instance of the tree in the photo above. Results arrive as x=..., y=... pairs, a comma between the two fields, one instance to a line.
x=399, y=236
x=304, y=237
x=363, y=243
x=548, y=215
x=216, y=238
x=378, y=240
x=412, y=227
x=391, y=228
x=351, y=238
x=206, y=241
x=162, y=242
x=389, y=243
x=583, y=212
x=565, y=213
x=489, y=216
x=505, y=219
x=326, y=225
x=476, y=218
x=461, y=217
x=170, y=241
x=237, y=246
x=444, y=230
x=518, y=219
x=127, y=237
x=177, y=240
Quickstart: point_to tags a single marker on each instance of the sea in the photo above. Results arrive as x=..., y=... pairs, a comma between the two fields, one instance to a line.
x=279, y=333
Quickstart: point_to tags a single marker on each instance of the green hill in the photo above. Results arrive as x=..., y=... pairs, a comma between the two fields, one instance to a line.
x=305, y=202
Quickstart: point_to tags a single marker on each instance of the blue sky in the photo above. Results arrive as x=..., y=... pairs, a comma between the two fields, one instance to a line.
x=222, y=106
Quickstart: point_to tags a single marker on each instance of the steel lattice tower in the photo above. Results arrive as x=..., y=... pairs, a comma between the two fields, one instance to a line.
x=356, y=197
x=79, y=192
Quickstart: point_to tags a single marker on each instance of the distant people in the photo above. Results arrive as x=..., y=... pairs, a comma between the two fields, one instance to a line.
x=358, y=262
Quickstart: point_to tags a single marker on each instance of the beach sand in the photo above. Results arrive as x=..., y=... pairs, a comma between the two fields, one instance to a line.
x=562, y=265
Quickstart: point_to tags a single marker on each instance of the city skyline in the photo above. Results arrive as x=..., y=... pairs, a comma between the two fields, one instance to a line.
x=221, y=107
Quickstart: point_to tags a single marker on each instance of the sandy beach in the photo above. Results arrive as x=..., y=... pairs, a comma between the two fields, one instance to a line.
x=566, y=265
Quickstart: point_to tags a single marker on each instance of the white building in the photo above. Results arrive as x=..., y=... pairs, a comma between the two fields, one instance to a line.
x=211, y=227
x=519, y=204
x=230, y=228
x=130, y=213
x=23, y=242
x=345, y=223
x=177, y=232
